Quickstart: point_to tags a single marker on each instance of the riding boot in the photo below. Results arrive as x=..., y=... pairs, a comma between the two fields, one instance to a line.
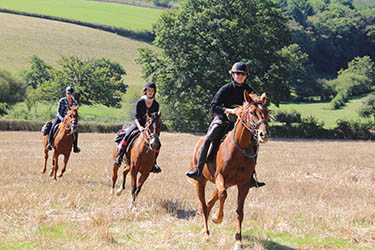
x=76, y=149
x=120, y=154
x=254, y=182
x=155, y=168
x=50, y=142
x=196, y=172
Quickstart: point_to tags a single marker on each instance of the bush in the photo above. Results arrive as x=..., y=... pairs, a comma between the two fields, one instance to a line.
x=288, y=117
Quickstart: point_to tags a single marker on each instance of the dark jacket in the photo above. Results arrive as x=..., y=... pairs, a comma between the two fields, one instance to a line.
x=141, y=110
x=227, y=96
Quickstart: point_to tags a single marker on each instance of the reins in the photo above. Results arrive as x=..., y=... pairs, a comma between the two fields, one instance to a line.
x=147, y=137
x=252, y=129
x=69, y=127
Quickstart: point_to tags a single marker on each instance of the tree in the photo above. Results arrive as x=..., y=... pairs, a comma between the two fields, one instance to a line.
x=302, y=74
x=200, y=42
x=368, y=108
x=38, y=73
x=12, y=90
x=96, y=81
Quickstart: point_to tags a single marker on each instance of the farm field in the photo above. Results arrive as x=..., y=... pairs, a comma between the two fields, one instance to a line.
x=118, y=15
x=21, y=37
x=319, y=195
x=322, y=112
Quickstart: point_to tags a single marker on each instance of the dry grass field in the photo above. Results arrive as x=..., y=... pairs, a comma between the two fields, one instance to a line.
x=319, y=195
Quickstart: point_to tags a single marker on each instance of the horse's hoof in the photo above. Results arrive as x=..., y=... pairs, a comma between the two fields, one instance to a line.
x=119, y=192
x=60, y=175
x=43, y=171
x=51, y=173
x=216, y=220
x=238, y=246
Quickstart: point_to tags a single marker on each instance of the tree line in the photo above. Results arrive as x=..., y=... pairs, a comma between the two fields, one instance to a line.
x=96, y=81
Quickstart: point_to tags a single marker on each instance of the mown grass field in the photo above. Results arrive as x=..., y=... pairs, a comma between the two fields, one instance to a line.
x=22, y=37
x=119, y=15
x=319, y=195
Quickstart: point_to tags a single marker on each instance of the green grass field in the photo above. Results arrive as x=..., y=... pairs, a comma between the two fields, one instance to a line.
x=119, y=15
x=322, y=113
x=21, y=37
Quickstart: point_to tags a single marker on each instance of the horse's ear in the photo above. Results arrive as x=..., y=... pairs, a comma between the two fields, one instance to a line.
x=77, y=107
x=159, y=114
x=264, y=97
x=246, y=96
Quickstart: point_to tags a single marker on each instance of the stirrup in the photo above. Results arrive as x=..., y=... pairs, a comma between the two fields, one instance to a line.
x=255, y=183
x=195, y=173
x=117, y=162
x=155, y=169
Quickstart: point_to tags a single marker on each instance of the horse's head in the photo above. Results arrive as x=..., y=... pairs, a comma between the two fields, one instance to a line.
x=152, y=130
x=71, y=119
x=254, y=115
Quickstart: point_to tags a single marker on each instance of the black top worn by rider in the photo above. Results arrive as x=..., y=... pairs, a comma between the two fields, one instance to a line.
x=141, y=110
x=228, y=96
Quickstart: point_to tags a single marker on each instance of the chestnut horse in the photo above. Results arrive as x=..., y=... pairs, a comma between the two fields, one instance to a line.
x=62, y=143
x=141, y=156
x=235, y=161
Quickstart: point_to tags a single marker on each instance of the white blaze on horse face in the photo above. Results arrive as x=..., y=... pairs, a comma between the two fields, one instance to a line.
x=263, y=134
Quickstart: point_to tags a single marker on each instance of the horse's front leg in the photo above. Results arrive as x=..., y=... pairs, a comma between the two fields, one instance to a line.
x=200, y=187
x=141, y=181
x=211, y=202
x=66, y=159
x=124, y=174
x=222, y=194
x=243, y=190
x=133, y=179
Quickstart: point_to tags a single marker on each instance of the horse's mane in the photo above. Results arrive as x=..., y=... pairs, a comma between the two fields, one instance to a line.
x=255, y=98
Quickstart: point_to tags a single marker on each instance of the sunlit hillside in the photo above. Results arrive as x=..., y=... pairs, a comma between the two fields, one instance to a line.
x=22, y=37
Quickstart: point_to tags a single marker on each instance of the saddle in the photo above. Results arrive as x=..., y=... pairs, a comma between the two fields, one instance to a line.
x=121, y=134
x=47, y=127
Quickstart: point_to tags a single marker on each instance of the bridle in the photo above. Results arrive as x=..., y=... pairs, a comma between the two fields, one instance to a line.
x=148, y=135
x=72, y=124
x=252, y=128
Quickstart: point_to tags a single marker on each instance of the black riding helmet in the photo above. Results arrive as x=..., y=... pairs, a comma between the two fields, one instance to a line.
x=69, y=90
x=150, y=85
x=239, y=67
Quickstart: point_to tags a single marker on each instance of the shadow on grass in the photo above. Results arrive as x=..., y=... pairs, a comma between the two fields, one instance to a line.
x=267, y=244
x=176, y=209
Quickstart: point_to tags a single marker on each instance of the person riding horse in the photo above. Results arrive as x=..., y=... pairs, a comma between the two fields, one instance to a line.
x=145, y=105
x=226, y=98
x=62, y=109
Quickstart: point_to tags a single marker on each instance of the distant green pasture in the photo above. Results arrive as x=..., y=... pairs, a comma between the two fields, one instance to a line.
x=119, y=15
x=322, y=112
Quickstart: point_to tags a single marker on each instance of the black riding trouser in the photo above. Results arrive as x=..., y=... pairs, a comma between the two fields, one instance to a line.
x=218, y=128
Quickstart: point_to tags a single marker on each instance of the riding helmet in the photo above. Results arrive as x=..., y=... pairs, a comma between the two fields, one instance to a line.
x=69, y=90
x=150, y=85
x=239, y=67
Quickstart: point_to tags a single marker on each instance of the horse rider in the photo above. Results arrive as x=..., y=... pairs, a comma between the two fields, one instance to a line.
x=226, y=98
x=145, y=104
x=62, y=110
